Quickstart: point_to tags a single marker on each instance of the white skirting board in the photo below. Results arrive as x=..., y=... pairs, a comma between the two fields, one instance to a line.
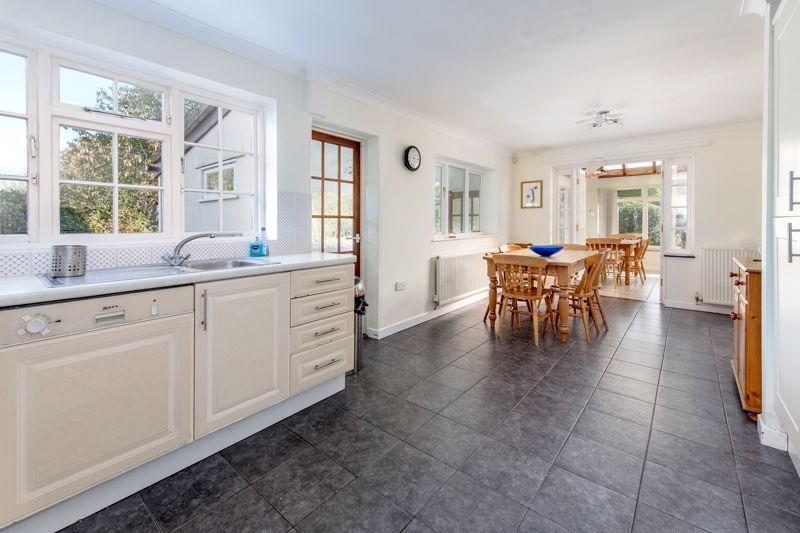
x=122, y=486
x=384, y=332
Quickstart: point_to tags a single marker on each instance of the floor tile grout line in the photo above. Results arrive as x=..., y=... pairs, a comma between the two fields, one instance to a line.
x=149, y=511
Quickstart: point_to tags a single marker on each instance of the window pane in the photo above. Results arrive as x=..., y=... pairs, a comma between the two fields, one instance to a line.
x=654, y=190
x=679, y=238
x=347, y=163
x=629, y=193
x=238, y=130
x=346, y=234
x=13, y=207
x=437, y=200
x=316, y=234
x=13, y=88
x=679, y=174
x=85, y=154
x=347, y=200
x=200, y=123
x=86, y=209
x=139, y=160
x=679, y=217
x=237, y=212
x=198, y=162
x=202, y=211
x=136, y=101
x=239, y=173
x=316, y=158
x=455, y=197
x=331, y=226
x=139, y=210
x=316, y=197
x=474, y=202
x=679, y=196
x=331, y=198
x=629, y=216
x=654, y=222
x=331, y=160
x=13, y=146
x=85, y=90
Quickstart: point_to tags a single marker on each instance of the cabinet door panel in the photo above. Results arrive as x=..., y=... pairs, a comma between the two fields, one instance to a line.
x=242, y=355
x=787, y=108
x=81, y=409
x=787, y=335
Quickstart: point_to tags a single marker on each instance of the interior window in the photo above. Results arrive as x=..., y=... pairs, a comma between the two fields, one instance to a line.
x=14, y=155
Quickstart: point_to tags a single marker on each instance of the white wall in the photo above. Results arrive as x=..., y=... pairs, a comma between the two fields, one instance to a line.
x=397, y=212
x=727, y=181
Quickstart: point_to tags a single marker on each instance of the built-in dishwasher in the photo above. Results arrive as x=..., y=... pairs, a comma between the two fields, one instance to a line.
x=91, y=388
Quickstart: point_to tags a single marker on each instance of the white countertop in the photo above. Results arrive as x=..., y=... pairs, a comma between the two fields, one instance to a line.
x=24, y=290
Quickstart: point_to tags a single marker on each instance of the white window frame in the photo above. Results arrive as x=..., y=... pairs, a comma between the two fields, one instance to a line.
x=646, y=199
x=442, y=232
x=45, y=110
x=666, y=205
x=206, y=170
x=31, y=117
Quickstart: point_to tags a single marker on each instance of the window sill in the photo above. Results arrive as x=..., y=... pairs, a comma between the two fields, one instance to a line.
x=463, y=237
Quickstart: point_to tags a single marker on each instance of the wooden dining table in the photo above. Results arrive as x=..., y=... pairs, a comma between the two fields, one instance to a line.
x=563, y=265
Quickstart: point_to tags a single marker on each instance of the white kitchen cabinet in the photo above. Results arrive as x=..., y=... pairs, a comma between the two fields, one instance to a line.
x=318, y=365
x=787, y=109
x=787, y=290
x=80, y=409
x=241, y=348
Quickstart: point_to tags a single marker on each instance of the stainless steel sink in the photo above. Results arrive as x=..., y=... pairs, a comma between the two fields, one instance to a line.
x=107, y=275
x=223, y=264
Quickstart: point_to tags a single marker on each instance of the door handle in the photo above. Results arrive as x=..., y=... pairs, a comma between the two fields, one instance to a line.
x=792, y=179
x=792, y=231
x=357, y=238
x=205, y=310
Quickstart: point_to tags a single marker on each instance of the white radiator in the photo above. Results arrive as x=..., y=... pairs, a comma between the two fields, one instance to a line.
x=458, y=276
x=717, y=263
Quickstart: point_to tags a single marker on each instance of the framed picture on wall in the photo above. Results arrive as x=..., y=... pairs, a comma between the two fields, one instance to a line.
x=531, y=193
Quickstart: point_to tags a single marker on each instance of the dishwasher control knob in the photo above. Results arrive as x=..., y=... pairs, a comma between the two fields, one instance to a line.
x=36, y=324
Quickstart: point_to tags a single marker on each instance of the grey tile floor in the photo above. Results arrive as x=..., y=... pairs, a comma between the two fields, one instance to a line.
x=449, y=428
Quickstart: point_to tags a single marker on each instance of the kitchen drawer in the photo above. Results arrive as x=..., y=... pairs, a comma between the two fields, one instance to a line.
x=319, y=280
x=318, y=365
x=320, y=332
x=320, y=306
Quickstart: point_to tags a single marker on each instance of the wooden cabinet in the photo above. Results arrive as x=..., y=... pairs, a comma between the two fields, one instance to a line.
x=747, y=333
x=80, y=409
x=242, y=348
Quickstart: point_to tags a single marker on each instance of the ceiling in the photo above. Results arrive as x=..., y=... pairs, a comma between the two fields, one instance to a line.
x=518, y=73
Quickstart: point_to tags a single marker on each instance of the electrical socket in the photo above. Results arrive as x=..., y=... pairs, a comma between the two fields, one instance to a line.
x=399, y=286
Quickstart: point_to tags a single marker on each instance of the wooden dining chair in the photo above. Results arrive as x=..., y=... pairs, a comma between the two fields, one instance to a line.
x=582, y=296
x=597, y=301
x=582, y=247
x=503, y=248
x=524, y=280
x=614, y=259
x=638, y=259
x=627, y=236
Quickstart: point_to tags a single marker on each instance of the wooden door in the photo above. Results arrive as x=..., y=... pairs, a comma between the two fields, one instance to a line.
x=336, y=186
x=787, y=109
x=80, y=409
x=787, y=334
x=241, y=348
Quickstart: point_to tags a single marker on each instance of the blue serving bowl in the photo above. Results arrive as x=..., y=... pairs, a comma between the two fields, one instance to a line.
x=546, y=250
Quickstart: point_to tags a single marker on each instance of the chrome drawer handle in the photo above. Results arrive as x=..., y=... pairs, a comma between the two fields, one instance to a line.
x=329, y=363
x=326, y=332
x=321, y=307
x=328, y=280
x=792, y=179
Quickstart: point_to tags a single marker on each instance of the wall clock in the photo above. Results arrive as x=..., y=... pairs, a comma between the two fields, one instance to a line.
x=412, y=158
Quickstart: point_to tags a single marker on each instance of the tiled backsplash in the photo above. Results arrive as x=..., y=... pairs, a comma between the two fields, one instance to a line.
x=294, y=237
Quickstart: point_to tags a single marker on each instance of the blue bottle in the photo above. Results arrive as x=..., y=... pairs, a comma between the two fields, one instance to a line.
x=257, y=248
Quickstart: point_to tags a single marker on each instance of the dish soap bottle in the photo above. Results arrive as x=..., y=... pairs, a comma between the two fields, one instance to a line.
x=257, y=248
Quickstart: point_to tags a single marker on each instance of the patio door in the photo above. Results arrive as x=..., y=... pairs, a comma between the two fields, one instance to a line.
x=336, y=186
